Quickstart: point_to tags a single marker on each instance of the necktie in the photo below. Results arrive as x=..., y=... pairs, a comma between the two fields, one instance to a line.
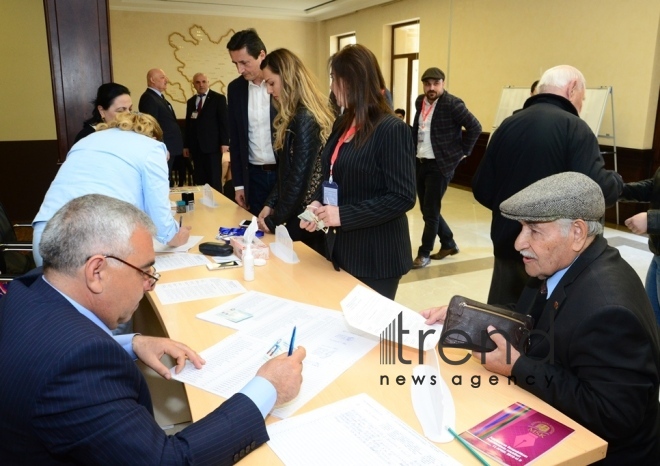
x=199, y=102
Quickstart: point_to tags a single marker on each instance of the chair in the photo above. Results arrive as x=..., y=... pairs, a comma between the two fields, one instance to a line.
x=13, y=257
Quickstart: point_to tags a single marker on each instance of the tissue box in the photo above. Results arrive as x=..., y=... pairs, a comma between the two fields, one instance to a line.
x=259, y=248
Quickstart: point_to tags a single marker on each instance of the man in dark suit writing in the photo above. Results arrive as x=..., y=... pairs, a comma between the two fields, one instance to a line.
x=153, y=102
x=207, y=133
x=71, y=393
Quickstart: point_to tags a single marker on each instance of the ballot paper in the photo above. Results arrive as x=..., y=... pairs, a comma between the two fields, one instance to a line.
x=356, y=431
x=191, y=290
x=331, y=346
x=372, y=313
x=168, y=262
x=192, y=241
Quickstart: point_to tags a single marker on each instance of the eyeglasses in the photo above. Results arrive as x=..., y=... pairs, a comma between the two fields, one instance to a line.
x=153, y=277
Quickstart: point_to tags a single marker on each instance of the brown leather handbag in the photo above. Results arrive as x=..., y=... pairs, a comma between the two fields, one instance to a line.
x=467, y=322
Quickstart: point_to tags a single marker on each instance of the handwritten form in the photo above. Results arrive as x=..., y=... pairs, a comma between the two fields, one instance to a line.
x=331, y=346
x=354, y=431
x=371, y=312
x=191, y=290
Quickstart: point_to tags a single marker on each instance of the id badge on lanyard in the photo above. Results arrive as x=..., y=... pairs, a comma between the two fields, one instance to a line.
x=330, y=188
x=330, y=193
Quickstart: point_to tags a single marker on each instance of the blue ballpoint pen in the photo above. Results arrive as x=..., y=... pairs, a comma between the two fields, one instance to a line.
x=293, y=340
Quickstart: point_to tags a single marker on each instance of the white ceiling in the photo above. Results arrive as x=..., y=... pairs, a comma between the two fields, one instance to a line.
x=301, y=10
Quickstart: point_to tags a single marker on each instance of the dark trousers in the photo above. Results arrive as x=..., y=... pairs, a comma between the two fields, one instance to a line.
x=262, y=183
x=208, y=169
x=177, y=164
x=509, y=279
x=383, y=286
x=431, y=187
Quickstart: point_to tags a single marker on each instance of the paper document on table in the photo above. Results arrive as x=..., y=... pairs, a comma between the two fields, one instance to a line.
x=354, y=431
x=331, y=346
x=179, y=261
x=191, y=290
x=372, y=313
x=192, y=241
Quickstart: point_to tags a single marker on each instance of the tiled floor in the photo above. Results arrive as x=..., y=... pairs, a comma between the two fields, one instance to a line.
x=468, y=273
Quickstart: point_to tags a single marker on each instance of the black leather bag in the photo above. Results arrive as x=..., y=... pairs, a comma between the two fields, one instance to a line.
x=216, y=249
x=467, y=321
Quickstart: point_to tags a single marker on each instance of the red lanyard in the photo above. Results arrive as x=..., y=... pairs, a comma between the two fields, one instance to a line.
x=425, y=115
x=342, y=139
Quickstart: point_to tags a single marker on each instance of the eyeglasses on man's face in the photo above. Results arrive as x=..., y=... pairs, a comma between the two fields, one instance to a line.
x=152, y=276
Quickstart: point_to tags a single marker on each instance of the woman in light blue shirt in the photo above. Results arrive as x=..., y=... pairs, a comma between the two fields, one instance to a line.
x=124, y=159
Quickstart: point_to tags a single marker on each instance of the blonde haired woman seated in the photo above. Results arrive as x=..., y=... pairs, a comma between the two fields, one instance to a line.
x=125, y=159
x=302, y=126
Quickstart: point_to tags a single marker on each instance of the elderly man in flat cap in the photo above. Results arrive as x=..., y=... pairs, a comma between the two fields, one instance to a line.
x=441, y=145
x=594, y=353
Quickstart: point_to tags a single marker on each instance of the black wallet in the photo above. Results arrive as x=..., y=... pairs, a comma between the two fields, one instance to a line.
x=467, y=321
x=216, y=249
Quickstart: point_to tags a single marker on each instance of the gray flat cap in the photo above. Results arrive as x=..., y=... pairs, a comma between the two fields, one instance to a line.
x=433, y=73
x=569, y=195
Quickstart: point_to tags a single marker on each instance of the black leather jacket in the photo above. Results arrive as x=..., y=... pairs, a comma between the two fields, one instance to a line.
x=647, y=191
x=297, y=162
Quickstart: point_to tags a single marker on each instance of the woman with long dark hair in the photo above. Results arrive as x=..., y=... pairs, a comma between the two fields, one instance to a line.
x=369, y=173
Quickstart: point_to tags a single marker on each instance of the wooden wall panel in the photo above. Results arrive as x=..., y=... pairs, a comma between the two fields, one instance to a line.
x=30, y=167
x=633, y=165
x=79, y=45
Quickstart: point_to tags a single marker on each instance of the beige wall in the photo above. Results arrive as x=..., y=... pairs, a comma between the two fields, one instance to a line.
x=141, y=41
x=485, y=45
x=26, y=95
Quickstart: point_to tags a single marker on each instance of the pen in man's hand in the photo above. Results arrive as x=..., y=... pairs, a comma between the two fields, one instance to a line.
x=293, y=340
x=180, y=220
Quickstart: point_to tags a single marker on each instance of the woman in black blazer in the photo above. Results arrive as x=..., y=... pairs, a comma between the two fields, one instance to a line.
x=302, y=126
x=369, y=168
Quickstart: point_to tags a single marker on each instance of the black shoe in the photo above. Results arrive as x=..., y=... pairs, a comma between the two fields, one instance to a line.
x=421, y=261
x=442, y=253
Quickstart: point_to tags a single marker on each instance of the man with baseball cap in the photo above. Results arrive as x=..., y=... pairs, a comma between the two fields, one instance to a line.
x=441, y=145
x=594, y=352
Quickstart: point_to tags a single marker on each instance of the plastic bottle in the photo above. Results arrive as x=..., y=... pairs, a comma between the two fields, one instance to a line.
x=248, y=265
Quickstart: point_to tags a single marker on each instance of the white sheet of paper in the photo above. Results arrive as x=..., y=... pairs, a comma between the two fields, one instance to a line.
x=371, y=312
x=191, y=290
x=230, y=364
x=179, y=261
x=192, y=241
x=366, y=432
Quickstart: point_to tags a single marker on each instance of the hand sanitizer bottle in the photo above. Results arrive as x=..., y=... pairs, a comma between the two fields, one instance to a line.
x=248, y=265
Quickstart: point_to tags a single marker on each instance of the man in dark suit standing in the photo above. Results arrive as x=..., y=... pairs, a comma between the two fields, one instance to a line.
x=438, y=133
x=154, y=103
x=251, y=114
x=207, y=133
x=72, y=394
